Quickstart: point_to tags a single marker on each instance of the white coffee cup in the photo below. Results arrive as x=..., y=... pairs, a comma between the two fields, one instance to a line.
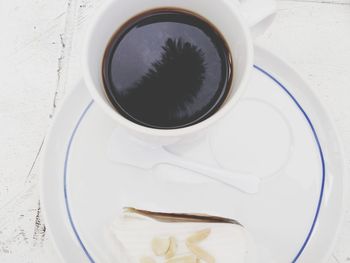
x=236, y=20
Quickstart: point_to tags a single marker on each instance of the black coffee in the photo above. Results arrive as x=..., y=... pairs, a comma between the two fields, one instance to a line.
x=167, y=69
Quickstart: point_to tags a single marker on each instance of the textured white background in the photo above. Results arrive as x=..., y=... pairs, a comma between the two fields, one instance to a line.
x=40, y=43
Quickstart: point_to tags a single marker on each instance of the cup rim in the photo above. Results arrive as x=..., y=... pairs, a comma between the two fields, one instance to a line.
x=224, y=109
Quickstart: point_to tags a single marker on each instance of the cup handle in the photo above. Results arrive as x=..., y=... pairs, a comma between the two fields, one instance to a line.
x=259, y=14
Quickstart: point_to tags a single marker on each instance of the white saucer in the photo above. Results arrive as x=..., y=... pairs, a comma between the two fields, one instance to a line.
x=278, y=131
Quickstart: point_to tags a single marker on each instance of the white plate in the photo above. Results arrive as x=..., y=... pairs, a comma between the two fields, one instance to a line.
x=278, y=131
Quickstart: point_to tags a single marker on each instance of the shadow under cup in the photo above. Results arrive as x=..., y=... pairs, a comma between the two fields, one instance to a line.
x=225, y=17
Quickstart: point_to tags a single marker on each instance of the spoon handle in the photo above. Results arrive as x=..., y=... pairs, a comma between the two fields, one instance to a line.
x=246, y=183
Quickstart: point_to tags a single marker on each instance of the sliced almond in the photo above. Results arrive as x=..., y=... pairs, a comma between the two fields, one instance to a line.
x=183, y=259
x=147, y=260
x=199, y=236
x=160, y=246
x=200, y=253
x=172, y=248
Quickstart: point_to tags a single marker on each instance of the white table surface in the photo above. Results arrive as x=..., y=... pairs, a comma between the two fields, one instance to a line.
x=40, y=44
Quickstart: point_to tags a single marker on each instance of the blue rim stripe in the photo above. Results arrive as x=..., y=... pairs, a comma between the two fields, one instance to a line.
x=321, y=156
x=308, y=237
x=65, y=183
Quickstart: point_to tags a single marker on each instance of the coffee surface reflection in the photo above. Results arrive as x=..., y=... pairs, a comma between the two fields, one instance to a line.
x=167, y=69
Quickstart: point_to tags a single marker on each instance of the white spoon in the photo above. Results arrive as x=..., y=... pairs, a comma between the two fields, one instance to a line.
x=125, y=149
